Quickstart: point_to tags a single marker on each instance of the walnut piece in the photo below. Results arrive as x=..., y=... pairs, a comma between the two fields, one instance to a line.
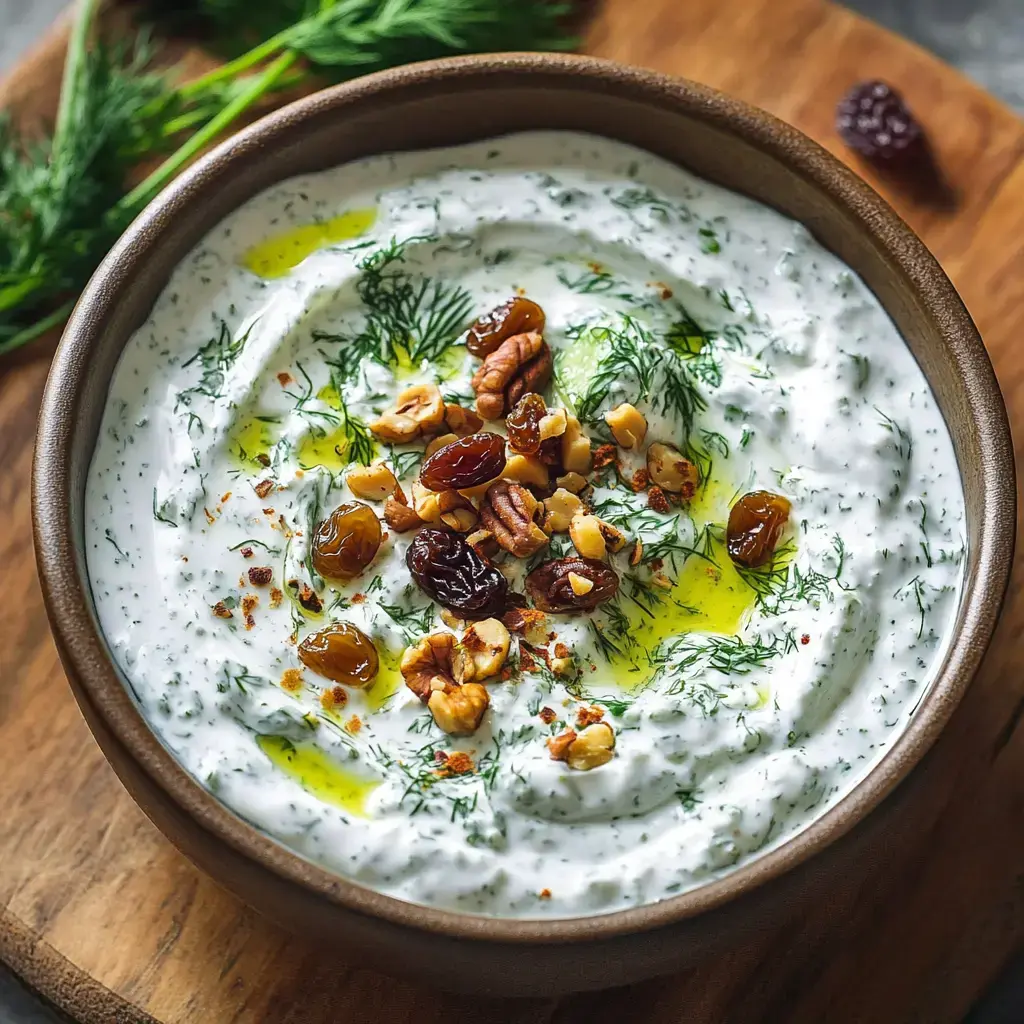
x=374, y=483
x=526, y=469
x=456, y=511
x=519, y=365
x=399, y=516
x=627, y=424
x=418, y=410
x=461, y=422
x=427, y=665
x=459, y=711
x=558, y=746
x=587, y=537
x=511, y=512
x=592, y=747
x=481, y=652
x=575, y=447
x=671, y=471
x=559, y=510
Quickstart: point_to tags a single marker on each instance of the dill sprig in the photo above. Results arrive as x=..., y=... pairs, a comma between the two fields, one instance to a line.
x=65, y=200
x=781, y=583
x=215, y=358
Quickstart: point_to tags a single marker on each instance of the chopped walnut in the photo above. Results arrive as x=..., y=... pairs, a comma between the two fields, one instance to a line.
x=428, y=661
x=481, y=652
x=374, y=483
x=260, y=575
x=572, y=482
x=605, y=455
x=459, y=710
x=627, y=424
x=559, y=510
x=400, y=517
x=222, y=611
x=264, y=487
x=456, y=511
x=587, y=536
x=456, y=763
x=276, y=597
x=593, y=747
x=439, y=442
x=519, y=365
x=510, y=512
x=588, y=715
x=526, y=469
x=461, y=422
x=558, y=746
x=418, y=410
x=575, y=447
x=671, y=471
x=547, y=715
x=529, y=623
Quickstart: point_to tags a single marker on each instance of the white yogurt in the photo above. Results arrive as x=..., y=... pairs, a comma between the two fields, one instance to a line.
x=739, y=719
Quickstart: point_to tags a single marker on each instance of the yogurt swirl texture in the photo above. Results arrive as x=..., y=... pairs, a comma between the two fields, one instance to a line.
x=744, y=702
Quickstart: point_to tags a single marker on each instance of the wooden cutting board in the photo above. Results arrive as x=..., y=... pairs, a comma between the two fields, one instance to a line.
x=100, y=914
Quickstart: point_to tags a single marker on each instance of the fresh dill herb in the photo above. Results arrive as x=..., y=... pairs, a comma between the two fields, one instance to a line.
x=596, y=280
x=925, y=544
x=916, y=588
x=414, y=622
x=863, y=367
x=645, y=198
x=902, y=442
x=216, y=357
x=253, y=542
x=160, y=512
x=709, y=243
x=404, y=464
x=781, y=583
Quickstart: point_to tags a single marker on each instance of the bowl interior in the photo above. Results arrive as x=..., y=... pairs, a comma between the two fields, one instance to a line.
x=458, y=101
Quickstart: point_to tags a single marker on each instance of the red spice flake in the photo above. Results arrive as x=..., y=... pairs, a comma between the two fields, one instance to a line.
x=336, y=697
x=249, y=603
x=284, y=378
x=250, y=621
x=588, y=716
x=605, y=455
x=666, y=292
x=641, y=478
x=354, y=724
x=225, y=497
x=561, y=651
x=657, y=564
x=547, y=715
x=544, y=894
x=558, y=746
x=276, y=597
x=805, y=639
x=263, y=488
x=247, y=552
x=527, y=662
x=222, y=611
x=358, y=598
x=456, y=763
x=291, y=680
x=210, y=517
x=658, y=500
x=268, y=511
x=260, y=575
x=440, y=757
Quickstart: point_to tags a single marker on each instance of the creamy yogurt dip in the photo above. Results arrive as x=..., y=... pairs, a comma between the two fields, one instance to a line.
x=743, y=702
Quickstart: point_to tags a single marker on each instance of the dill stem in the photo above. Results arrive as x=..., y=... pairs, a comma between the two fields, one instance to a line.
x=233, y=68
x=147, y=188
x=41, y=326
x=73, y=64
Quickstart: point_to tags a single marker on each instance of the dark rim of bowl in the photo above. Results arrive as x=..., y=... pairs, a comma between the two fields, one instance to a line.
x=67, y=592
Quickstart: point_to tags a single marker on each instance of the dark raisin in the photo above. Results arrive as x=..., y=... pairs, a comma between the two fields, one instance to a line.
x=346, y=542
x=873, y=119
x=516, y=316
x=448, y=570
x=756, y=523
x=341, y=653
x=523, y=424
x=551, y=589
x=464, y=463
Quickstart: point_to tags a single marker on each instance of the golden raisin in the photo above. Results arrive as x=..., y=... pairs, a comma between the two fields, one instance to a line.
x=346, y=542
x=342, y=653
x=464, y=463
x=516, y=316
x=756, y=523
x=523, y=424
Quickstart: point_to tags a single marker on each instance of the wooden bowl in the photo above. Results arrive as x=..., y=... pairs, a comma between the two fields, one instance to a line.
x=445, y=103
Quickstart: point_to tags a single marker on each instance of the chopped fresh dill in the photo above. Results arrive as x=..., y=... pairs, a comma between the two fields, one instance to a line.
x=161, y=516
x=414, y=622
x=216, y=357
x=406, y=463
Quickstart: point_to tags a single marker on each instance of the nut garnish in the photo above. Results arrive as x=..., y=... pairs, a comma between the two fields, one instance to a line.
x=418, y=410
x=592, y=747
x=374, y=483
x=460, y=710
x=559, y=510
x=439, y=442
x=573, y=482
x=511, y=512
x=460, y=421
x=427, y=661
x=627, y=424
x=399, y=516
x=526, y=469
x=587, y=536
x=519, y=365
x=671, y=471
x=575, y=447
x=481, y=652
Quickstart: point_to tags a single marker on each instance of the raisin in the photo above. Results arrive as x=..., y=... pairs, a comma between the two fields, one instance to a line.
x=873, y=119
x=756, y=523
x=551, y=589
x=346, y=542
x=448, y=570
x=523, y=424
x=516, y=316
x=342, y=653
x=464, y=463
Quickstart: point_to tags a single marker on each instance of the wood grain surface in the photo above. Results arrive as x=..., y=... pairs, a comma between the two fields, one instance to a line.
x=106, y=919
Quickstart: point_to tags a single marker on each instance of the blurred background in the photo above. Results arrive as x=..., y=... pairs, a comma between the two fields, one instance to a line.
x=984, y=38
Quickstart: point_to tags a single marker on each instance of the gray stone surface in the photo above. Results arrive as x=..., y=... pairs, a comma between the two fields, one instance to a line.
x=985, y=38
